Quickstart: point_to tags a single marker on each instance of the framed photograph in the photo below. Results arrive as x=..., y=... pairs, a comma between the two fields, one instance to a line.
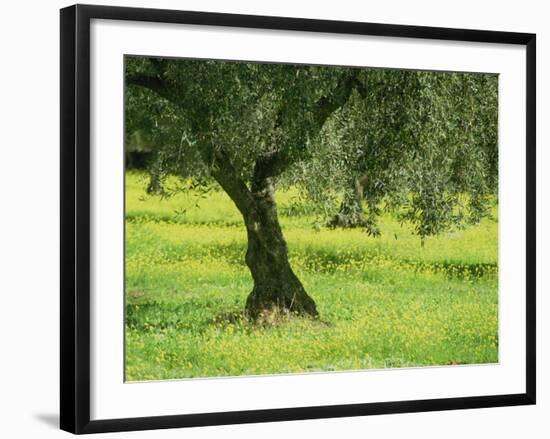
x=268, y=219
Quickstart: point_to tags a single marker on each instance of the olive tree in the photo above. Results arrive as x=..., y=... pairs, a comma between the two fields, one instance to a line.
x=250, y=126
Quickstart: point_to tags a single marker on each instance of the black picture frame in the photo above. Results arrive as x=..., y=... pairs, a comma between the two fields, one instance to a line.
x=75, y=217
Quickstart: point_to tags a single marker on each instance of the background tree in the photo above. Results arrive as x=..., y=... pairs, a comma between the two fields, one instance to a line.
x=251, y=126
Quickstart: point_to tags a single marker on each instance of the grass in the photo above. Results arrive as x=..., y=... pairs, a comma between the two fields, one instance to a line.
x=383, y=302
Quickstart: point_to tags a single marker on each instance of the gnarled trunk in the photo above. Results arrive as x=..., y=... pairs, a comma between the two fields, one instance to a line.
x=276, y=287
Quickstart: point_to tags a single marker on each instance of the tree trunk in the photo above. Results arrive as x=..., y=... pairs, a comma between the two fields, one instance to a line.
x=276, y=287
x=351, y=210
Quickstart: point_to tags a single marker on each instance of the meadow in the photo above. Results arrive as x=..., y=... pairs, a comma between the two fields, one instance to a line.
x=383, y=302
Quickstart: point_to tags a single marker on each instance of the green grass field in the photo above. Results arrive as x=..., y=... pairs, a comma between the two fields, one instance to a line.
x=383, y=302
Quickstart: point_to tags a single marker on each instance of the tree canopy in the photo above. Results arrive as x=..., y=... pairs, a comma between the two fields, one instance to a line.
x=421, y=139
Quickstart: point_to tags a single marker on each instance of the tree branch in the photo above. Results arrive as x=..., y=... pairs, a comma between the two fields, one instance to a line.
x=154, y=80
x=268, y=165
x=339, y=96
x=153, y=83
x=273, y=163
x=226, y=175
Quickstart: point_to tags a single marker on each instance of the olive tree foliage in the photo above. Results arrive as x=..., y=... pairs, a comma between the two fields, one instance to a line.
x=198, y=109
x=420, y=143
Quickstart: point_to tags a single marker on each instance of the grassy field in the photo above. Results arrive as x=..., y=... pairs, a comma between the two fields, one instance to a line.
x=383, y=302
